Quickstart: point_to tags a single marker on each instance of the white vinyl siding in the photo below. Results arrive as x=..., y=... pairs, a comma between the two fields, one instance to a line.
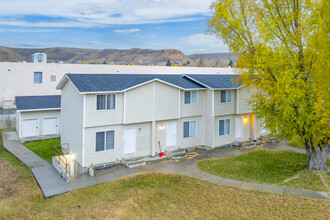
x=224, y=127
x=190, y=97
x=225, y=96
x=37, y=78
x=189, y=129
x=105, y=140
x=104, y=102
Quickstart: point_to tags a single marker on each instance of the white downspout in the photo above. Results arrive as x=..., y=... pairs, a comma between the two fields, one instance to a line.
x=124, y=115
x=153, y=124
x=237, y=101
x=213, y=119
x=83, y=131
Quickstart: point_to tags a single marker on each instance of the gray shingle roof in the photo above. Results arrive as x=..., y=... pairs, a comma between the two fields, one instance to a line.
x=120, y=82
x=216, y=81
x=38, y=102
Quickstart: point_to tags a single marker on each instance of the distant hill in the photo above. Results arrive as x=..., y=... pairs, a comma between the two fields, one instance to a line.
x=115, y=56
x=215, y=59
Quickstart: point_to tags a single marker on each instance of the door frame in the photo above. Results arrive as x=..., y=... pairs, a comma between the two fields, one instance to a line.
x=176, y=132
x=134, y=147
x=23, y=127
x=236, y=126
x=57, y=127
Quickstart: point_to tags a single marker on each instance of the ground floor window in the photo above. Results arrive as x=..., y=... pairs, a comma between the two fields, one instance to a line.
x=105, y=140
x=224, y=127
x=189, y=129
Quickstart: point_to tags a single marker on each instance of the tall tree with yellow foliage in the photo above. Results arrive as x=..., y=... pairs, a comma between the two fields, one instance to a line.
x=283, y=48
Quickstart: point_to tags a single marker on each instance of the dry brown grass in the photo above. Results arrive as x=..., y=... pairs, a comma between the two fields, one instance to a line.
x=162, y=196
x=146, y=196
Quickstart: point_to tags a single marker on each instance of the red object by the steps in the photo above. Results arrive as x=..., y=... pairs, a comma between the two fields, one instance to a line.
x=161, y=154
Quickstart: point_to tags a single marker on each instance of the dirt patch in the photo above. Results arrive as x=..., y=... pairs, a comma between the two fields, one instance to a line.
x=10, y=181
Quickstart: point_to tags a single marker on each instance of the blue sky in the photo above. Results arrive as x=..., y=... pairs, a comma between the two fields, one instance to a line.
x=115, y=24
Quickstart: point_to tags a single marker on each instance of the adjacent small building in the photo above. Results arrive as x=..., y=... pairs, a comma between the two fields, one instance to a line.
x=38, y=116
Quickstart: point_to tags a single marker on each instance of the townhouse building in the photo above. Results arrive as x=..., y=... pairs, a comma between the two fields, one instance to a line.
x=110, y=117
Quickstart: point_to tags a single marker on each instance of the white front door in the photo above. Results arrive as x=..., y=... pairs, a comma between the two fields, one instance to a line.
x=30, y=128
x=129, y=140
x=170, y=134
x=239, y=127
x=49, y=126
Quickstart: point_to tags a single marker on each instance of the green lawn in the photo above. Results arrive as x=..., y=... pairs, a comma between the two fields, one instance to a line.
x=145, y=196
x=44, y=148
x=310, y=180
x=266, y=166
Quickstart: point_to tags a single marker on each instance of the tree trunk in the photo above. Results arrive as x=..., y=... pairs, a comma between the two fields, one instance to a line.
x=317, y=157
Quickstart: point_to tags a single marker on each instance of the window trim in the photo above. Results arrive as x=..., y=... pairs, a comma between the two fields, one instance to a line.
x=189, y=129
x=34, y=82
x=106, y=101
x=104, y=141
x=184, y=97
x=224, y=127
x=231, y=95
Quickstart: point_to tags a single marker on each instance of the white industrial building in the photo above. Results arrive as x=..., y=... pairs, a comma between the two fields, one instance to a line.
x=35, y=79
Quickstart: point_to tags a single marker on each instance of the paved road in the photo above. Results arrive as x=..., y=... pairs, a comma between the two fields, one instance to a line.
x=52, y=184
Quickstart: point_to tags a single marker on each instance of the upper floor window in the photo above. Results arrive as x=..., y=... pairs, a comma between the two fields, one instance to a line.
x=190, y=97
x=104, y=102
x=37, y=77
x=224, y=127
x=225, y=96
x=105, y=140
x=189, y=129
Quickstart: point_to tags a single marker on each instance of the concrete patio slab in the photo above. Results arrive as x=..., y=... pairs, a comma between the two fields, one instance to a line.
x=82, y=181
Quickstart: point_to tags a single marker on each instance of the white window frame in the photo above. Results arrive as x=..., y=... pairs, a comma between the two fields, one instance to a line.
x=224, y=127
x=184, y=97
x=34, y=81
x=189, y=129
x=231, y=96
x=104, y=141
x=106, y=102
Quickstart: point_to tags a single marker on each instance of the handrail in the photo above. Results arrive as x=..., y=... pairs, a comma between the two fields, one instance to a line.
x=59, y=154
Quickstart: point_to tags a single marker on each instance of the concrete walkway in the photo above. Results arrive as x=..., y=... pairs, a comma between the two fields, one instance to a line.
x=52, y=184
x=47, y=177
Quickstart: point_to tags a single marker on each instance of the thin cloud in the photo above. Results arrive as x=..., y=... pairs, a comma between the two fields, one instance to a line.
x=85, y=13
x=127, y=31
x=205, y=42
x=29, y=30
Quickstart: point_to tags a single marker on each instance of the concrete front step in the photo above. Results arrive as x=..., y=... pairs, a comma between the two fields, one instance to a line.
x=134, y=162
x=246, y=143
x=272, y=139
x=176, y=153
